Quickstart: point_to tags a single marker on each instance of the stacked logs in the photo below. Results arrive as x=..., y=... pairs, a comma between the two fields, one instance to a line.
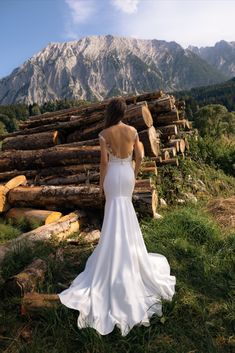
x=59, y=152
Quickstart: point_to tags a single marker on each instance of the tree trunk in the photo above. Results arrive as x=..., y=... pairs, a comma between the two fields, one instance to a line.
x=61, y=229
x=165, y=118
x=151, y=141
x=163, y=104
x=85, y=238
x=41, y=216
x=138, y=116
x=27, y=280
x=53, y=156
x=33, y=141
x=175, y=142
x=168, y=129
x=67, y=197
x=172, y=151
x=5, y=188
x=34, y=302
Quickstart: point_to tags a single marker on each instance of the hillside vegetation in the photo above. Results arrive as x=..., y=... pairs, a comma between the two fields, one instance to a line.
x=197, y=236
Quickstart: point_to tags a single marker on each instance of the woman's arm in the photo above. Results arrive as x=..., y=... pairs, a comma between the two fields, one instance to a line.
x=103, y=161
x=139, y=154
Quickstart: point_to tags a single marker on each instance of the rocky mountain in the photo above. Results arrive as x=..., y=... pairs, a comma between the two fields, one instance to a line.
x=221, y=56
x=98, y=67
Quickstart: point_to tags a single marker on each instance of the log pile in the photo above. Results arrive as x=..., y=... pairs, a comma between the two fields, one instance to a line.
x=58, y=153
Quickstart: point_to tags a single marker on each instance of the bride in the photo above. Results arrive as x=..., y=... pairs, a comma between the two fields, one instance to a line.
x=122, y=284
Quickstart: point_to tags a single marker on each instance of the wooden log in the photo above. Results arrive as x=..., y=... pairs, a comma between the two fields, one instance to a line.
x=5, y=188
x=86, y=177
x=180, y=104
x=34, y=302
x=187, y=146
x=27, y=280
x=173, y=143
x=181, y=144
x=29, y=124
x=165, y=155
x=184, y=123
x=59, y=230
x=41, y=216
x=165, y=118
x=157, y=159
x=172, y=161
x=163, y=104
x=85, y=237
x=66, y=197
x=88, y=109
x=168, y=129
x=32, y=141
x=138, y=116
x=36, y=175
x=53, y=156
x=151, y=141
x=172, y=151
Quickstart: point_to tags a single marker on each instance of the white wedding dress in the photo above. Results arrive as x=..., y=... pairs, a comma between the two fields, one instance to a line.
x=122, y=284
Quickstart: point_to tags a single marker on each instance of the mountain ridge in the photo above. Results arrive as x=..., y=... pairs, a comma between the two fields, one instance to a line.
x=99, y=67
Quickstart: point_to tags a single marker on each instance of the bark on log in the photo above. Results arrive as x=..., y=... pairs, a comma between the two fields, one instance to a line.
x=181, y=144
x=85, y=238
x=34, y=302
x=88, y=109
x=41, y=216
x=67, y=197
x=165, y=118
x=53, y=156
x=169, y=129
x=157, y=159
x=184, y=123
x=172, y=151
x=87, y=177
x=151, y=141
x=138, y=116
x=27, y=280
x=163, y=104
x=60, y=230
x=36, y=175
x=33, y=141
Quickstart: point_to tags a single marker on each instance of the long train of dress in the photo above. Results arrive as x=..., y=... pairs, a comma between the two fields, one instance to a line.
x=122, y=284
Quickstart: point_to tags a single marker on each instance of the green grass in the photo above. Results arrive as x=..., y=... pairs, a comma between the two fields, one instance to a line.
x=199, y=319
x=10, y=230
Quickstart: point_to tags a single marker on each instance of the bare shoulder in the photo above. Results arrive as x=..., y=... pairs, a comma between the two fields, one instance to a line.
x=130, y=128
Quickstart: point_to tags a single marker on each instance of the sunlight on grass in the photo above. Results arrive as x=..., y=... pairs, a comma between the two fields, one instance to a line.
x=199, y=319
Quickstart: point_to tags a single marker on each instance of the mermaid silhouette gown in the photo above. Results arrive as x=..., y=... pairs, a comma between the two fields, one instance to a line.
x=122, y=284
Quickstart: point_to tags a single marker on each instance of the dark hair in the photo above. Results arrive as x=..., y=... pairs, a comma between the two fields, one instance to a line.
x=115, y=111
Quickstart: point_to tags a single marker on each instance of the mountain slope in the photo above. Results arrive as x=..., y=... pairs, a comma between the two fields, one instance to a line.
x=221, y=56
x=98, y=67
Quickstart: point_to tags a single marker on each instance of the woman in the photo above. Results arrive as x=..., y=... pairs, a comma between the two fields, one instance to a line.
x=122, y=284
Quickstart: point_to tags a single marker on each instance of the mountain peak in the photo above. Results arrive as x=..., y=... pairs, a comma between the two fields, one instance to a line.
x=98, y=67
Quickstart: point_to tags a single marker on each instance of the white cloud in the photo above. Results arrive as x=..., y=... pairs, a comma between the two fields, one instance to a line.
x=80, y=10
x=186, y=22
x=127, y=6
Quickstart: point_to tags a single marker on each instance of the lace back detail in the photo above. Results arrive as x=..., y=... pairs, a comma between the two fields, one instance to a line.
x=112, y=156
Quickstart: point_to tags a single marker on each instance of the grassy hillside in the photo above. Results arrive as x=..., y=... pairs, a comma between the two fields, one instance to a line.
x=199, y=319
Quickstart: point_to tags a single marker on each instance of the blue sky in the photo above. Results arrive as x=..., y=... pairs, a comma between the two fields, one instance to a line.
x=27, y=26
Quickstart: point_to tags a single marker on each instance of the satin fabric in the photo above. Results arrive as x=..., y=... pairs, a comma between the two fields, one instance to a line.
x=122, y=284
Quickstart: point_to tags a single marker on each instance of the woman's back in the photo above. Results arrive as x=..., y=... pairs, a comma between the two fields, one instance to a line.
x=120, y=139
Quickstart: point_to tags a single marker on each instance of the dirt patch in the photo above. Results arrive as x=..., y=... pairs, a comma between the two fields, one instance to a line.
x=223, y=209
